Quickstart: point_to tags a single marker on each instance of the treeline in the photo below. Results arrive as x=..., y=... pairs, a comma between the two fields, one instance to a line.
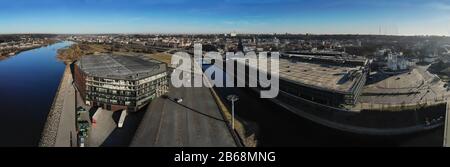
x=17, y=37
x=74, y=52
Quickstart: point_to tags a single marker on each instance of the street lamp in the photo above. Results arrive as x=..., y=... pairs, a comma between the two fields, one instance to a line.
x=232, y=98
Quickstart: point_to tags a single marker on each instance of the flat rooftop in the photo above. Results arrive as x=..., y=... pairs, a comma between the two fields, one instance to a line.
x=328, y=57
x=120, y=67
x=333, y=78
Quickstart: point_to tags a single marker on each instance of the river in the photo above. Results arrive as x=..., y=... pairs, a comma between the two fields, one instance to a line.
x=28, y=83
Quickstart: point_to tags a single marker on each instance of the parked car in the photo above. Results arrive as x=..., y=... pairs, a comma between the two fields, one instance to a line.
x=178, y=100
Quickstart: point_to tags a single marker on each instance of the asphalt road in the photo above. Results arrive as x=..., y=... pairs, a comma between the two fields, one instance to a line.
x=195, y=122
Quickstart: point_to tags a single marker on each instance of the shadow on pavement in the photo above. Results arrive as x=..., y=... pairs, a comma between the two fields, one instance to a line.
x=198, y=112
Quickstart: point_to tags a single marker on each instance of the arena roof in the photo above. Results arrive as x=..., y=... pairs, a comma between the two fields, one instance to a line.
x=120, y=67
x=329, y=77
x=334, y=78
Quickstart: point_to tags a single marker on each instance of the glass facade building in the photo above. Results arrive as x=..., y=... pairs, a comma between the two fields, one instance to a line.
x=120, y=82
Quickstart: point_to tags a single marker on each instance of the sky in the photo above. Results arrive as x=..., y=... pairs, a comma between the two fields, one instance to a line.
x=386, y=17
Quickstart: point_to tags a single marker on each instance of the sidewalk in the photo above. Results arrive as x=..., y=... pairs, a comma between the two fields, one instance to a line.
x=61, y=119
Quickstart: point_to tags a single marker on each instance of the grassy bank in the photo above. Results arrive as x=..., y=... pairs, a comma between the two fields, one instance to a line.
x=75, y=51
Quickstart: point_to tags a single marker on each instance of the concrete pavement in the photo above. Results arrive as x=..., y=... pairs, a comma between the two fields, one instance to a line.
x=195, y=122
x=447, y=127
x=60, y=124
x=103, y=127
x=67, y=133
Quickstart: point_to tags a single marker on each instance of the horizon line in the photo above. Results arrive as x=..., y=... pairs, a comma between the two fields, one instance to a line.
x=246, y=33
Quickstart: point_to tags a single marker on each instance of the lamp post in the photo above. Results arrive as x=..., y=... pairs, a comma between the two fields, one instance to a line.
x=233, y=99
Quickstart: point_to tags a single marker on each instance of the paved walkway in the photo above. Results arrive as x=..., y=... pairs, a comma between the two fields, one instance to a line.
x=67, y=132
x=447, y=128
x=62, y=114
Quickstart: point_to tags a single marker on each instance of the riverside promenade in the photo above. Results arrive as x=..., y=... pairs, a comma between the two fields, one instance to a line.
x=59, y=129
x=447, y=127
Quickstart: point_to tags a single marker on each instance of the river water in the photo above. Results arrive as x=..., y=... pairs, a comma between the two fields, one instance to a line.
x=28, y=83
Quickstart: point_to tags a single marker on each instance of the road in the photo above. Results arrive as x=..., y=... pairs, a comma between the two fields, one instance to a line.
x=195, y=122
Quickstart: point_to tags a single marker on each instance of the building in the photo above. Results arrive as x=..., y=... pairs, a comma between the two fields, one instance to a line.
x=431, y=58
x=331, y=85
x=396, y=61
x=327, y=80
x=240, y=47
x=116, y=82
x=326, y=89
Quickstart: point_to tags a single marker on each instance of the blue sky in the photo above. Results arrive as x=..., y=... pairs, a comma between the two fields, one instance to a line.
x=398, y=17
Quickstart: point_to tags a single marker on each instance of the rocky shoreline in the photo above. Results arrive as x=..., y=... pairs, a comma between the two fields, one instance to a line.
x=48, y=136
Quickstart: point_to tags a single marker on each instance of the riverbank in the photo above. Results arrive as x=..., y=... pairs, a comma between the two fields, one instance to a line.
x=74, y=52
x=7, y=53
x=60, y=104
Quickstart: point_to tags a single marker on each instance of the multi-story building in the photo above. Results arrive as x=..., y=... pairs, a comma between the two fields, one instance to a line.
x=116, y=82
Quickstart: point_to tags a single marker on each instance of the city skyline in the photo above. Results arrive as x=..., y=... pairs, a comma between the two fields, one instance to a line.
x=403, y=17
